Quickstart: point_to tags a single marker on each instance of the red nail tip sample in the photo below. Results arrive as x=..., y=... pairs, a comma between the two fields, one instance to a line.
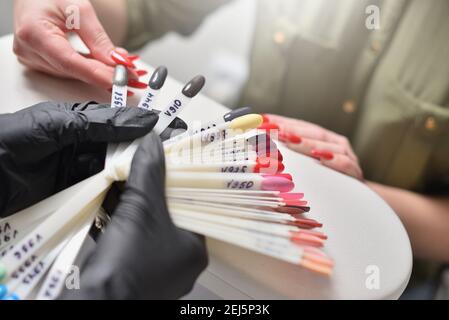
x=291, y=196
x=315, y=233
x=295, y=203
x=302, y=238
x=265, y=163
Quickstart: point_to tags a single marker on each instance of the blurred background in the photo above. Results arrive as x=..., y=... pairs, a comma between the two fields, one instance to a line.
x=223, y=61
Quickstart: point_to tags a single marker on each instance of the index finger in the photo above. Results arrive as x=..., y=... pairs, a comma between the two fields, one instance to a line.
x=58, y=52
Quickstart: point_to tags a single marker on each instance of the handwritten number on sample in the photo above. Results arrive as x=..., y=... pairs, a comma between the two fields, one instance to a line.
x=240, y=184
x=173, y=108
x=118, y=99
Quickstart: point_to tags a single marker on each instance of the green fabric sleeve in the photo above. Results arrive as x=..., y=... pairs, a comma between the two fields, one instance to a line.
x=151, y=19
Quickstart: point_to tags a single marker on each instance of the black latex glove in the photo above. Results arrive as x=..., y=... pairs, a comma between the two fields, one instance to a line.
x=142, y=255
x=50, y=146
x=177, y=126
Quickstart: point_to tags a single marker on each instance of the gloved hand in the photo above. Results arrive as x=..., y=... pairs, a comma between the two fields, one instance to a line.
x=50, y=146
x=142, y=255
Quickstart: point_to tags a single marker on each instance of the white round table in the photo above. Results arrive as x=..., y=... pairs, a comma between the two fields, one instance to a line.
x=366, y=238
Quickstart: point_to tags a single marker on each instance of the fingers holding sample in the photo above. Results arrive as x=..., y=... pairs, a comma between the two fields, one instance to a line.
x=339, y=162
x=333, y=150
x=41, y=43
x=308, y=145
x=293, y=131
x=331, y=155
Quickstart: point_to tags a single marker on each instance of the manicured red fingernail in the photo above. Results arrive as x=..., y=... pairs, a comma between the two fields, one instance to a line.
x=293, y=138
x=137, y=84
x=265, y=118
x=120, y=59
x=133, y=57
x=141, y=73
x=321, y=154
x=268, y=126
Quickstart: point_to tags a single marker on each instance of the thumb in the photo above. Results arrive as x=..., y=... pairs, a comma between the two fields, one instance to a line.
x=94, y=36
x=148, y=168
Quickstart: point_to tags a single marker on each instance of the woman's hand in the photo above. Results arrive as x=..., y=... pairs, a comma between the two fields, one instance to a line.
x=142, y=254
x=50, y=146
x=333, y=150
x=40, y=41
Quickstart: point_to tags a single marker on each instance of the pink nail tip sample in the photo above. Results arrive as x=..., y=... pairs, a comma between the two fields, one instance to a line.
x=273, y=183
x=291, y=196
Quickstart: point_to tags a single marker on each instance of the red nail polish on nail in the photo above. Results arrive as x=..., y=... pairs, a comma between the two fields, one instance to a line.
x=326, y=155
x=120, y=59
x=130, y=93
x=268, y=126
x=133, y=57
x=137, y=84
x=141, y=73
x=293, y=138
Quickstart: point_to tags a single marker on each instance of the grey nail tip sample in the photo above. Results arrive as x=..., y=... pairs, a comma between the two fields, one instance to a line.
x=237, y=113
x=194, y=86
x=120, y=76
x=158, y=78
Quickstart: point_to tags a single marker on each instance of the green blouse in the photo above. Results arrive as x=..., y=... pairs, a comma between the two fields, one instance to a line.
x=386, y=89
